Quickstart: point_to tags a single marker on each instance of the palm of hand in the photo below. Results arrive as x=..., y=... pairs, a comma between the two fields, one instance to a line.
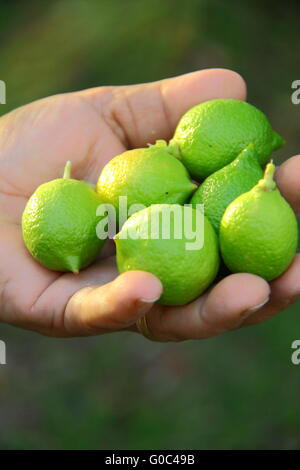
x=89, y=128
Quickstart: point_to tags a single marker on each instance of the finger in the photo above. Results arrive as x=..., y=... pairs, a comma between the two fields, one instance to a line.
x=112, y=307
x=34, y=297
x=181, y=93
x=144, y=113
x=285, y=290
x=287, y=178
x=224, y=308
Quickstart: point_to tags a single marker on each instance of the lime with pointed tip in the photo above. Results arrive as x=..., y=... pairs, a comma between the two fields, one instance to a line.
x=259, y=232
x=211, y=134
x=219, y=189
x=145, y=176
x=59, y=224
x=162, y=239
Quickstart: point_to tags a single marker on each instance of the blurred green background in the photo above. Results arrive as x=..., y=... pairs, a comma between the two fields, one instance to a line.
x=239, y=390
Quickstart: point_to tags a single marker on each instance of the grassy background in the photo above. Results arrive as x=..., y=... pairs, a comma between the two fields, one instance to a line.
x=237, y=391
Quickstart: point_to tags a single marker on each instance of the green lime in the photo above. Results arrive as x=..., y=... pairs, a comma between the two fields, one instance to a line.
x=145, y=176
x=211, y=134
x=258, y=232
x=175, y=243
x=225, y=185
x=59, y=224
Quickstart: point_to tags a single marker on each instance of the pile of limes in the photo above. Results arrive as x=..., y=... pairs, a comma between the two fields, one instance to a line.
x=177, y=206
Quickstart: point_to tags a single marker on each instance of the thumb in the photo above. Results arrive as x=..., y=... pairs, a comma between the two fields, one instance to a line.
x=114, y=306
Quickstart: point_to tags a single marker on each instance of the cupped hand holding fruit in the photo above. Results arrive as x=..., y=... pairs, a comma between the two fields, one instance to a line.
x=89, y=128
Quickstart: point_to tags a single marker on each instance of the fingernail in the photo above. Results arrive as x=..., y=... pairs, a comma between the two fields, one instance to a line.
x=150, y=301
x=256, y=308
x=151, y=292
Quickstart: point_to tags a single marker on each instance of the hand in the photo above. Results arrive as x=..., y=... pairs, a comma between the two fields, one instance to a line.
x=89, y=128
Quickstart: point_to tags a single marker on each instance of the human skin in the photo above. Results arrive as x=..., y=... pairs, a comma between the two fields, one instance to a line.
x=90, y=127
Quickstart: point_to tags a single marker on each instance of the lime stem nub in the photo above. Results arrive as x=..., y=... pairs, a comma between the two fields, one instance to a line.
x=161, y=143
x=67, y=170
x=268, y=183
